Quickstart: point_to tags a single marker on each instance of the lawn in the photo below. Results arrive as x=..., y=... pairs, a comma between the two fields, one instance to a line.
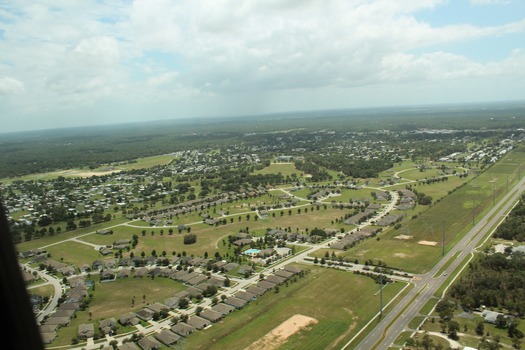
x=341, y=302
x=73, y=253
x=42, y=290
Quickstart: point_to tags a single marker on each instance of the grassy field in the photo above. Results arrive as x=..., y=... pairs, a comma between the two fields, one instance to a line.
x=209, y=237
x=286, y=169
x=47, y=240
x=454, y=213
x=42, y=290
x=112, y=299
x=347, y=194
x=340, y=301
x=73, y=253
x=148, y=162
x=141, y=163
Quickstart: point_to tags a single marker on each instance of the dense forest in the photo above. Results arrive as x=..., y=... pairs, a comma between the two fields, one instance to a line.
x=34, y=152
x=494, y=280
x=513, y=228
x=497, y=279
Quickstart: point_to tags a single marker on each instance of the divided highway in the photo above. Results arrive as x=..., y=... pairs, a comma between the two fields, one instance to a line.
x=396, y=321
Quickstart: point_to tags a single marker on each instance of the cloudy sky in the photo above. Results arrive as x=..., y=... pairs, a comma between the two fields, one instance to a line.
x=69, y=63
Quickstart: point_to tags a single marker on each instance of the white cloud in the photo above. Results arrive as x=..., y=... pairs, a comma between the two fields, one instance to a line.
x=97, y=51
x=11, y=86
x=81, y=54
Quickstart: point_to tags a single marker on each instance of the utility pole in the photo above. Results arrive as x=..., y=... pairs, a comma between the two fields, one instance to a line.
x=473, y=213
x=381, y=296
x=493, y=193
x=443, y=239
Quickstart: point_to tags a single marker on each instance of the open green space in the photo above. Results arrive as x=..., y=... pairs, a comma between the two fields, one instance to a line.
x=147, y=162
x=112, y=299
x=467, y=326
x=348, y=194
x=47, y=240
x=73, y=253
x=339, y=301
x=140, y=163
x=453, y=212
x=286, y=169
x=43, y=290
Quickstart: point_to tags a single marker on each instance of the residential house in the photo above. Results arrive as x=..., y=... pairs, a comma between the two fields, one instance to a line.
x=167, y=337
x=256, y=291
x=211, y=315
x=198, y=322
x=86, y=330
x=197, y=279
x=123, y=273
x=127, y=346
x=265, y=285
x=284, y=274
x=245, y=296
x=230, y=266
x=107, y=275
x=157, y=307
x=145, y=314
x=275, y=279
x=243, y=269
x=149, y=343
x=129, y=318
x=235, y=302
x=107, y=325
x=172, y=302
x=223, y=309
x=140, y=272
x=182, y=329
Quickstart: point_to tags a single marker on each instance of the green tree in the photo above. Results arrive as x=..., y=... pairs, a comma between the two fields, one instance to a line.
x=453, y=329
x=427, y=342
x=480, y=328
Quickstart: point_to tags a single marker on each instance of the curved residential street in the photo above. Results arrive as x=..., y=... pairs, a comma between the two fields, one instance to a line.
x=53, y=301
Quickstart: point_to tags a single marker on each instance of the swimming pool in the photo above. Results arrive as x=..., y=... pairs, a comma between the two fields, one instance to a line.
x=252, y=251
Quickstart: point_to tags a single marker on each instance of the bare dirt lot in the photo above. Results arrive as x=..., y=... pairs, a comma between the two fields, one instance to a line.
x=430, y=243
x=404, y=237
x=277, y=337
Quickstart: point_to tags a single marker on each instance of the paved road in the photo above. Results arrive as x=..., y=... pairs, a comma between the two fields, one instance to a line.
x=53, y=301
x=397, y=320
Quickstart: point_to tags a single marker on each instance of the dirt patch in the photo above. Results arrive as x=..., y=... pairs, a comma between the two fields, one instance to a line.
x=277, y=337
x=400, y=255
x=430, y=243
x=404, y=237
